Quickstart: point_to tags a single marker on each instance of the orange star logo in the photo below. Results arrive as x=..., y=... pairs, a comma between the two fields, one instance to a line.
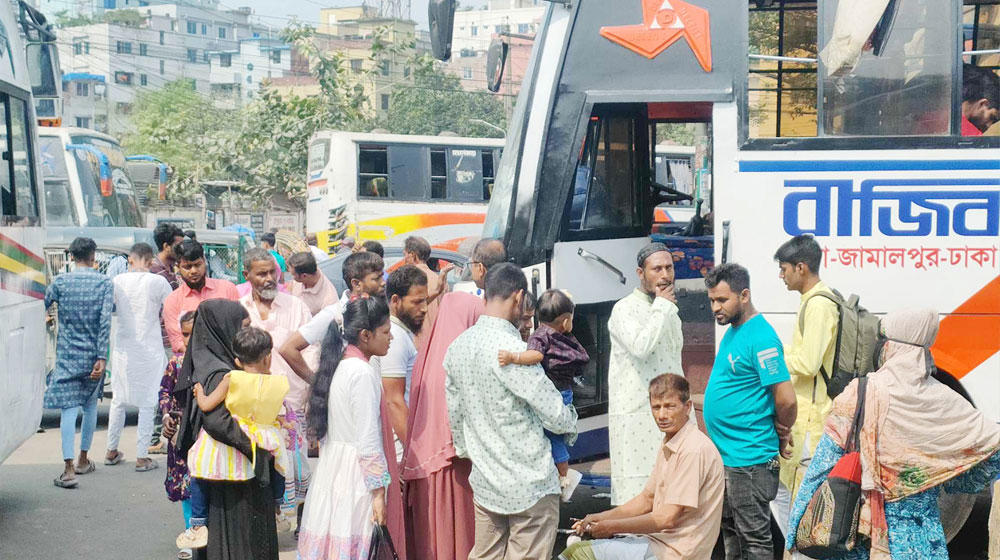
x=664, y=22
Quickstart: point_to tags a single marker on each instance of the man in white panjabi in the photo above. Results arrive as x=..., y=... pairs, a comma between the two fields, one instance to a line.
x=646, y=341
x=137, y=361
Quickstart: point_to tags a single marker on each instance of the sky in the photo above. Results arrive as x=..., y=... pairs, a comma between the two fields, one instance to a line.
x=308, y=10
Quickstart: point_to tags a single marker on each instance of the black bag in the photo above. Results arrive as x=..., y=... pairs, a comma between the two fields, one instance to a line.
x=381, y=545
x=829, y=526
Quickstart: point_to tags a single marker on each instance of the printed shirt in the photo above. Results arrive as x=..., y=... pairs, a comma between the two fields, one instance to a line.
x=739, y=405
x=563, y=357
x=688, y=472
x=184, y=299
x=497, y=417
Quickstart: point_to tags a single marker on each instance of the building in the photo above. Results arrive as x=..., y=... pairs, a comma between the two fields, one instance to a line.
x=84, y=103
x=236, y=75
x=475, y=27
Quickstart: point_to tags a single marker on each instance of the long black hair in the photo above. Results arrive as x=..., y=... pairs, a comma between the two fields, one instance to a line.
x=364, y=314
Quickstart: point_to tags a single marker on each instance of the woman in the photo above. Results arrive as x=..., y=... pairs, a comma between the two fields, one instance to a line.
x=918, y=436
x=349, y=490
x=241, y=523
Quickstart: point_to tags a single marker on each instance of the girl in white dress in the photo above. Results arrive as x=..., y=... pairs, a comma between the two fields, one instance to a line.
x=348, y=493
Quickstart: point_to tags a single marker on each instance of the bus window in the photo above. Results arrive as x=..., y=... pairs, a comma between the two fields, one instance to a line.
x=408, y=172
x=605, y=189
x=439, y=173
x=17, y=182
x=465, y=174
x=122, y=208
x=373, y=171
x=319, y=154
x=488, y=174
x=981, y=24
x=59, y=209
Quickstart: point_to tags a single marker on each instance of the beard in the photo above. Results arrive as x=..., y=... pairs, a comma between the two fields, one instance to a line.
x=411, y=322
x=267, y=293
x=735, y=318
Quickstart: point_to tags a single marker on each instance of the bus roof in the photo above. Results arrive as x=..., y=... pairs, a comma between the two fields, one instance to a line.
x=408, y=139
x=65, y=132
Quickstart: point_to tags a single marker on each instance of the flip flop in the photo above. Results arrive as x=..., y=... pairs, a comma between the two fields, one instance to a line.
x=119, y=457
x=63, y=483
x=152, y=464
x=91, y=467
x=185, y=554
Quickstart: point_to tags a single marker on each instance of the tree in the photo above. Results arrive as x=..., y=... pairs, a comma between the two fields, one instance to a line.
x=436, y=103
x=130, y=18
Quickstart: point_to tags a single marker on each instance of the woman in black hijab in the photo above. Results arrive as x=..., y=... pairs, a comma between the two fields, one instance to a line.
x=241, y=522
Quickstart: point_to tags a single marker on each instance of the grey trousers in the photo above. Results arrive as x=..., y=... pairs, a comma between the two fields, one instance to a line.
x=746, y=513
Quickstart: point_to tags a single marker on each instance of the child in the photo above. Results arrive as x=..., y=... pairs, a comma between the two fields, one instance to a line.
x=563, y=358
x=254, y=398
x=178, y=483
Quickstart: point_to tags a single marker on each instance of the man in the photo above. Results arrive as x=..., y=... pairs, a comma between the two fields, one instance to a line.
x=363, y=274
x=346, y=245
x=748, y=394
x=85, y=299
x=313, y=243
x=980, y=99
x=407, y=295
x=166, y=236
x=309, y=284
x=416, y=251
x=268, y=241
x=677, y=516
x=811, y=354
x=646, y=340
x=137, y=363
x=372, y=246
x=195, y=288
x=514, y=482
x=440, y=512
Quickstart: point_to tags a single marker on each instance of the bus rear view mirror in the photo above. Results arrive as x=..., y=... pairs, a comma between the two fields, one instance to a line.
x=43, y=68
x=441, y=19
x=496, y=59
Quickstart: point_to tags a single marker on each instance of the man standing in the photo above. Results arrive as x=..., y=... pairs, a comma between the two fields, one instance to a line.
x=268, y=241
x=748, y=394
x=195, y=288
x=166, y=236
x=514, y=481
x=85, y=298
x=679, y=513
x=137, y=363
x=811, y=354
x=311, y=285
x=407, y=295
x=416, y=251
x=313, y=243
x=440, y=512
x=646, y=340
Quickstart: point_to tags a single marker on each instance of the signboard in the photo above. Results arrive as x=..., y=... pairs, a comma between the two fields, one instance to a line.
x=257, y=223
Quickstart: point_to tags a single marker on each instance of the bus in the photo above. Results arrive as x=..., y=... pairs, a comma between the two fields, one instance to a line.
x=386, y=187
x=817, y=117
x=29, y=66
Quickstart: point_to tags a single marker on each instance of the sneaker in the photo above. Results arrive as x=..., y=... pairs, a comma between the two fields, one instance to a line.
x=282, y=522
x=569, y=483
x=195, y=537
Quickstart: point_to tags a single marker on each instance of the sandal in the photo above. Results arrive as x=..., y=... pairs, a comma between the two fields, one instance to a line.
x=91, y=467
x=62, y=482
x=118, y=458
x=152, y=464
x=185, y=554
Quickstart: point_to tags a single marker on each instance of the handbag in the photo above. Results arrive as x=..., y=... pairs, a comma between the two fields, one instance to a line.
x=829, y=527
x=381, y=545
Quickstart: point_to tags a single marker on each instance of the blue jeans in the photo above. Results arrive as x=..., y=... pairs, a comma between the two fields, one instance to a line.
x=199, y=504
x=746, y=512
x=67, y=426
x=560, y=451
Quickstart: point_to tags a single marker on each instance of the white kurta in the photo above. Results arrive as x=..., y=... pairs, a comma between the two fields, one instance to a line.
x=138, y=359
x=646, y=341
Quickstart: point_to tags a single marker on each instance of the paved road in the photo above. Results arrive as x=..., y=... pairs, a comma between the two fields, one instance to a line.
x=117, y=513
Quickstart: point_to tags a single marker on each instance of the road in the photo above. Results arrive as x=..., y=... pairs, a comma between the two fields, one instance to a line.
x=119, y=514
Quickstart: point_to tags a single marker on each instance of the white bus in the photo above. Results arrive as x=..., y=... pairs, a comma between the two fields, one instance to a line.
x=820, y=117
x=386, y=187
x=24, y=67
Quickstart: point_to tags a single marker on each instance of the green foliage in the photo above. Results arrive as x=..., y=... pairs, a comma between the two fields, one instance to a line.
x=130, y=18
x=435, y=102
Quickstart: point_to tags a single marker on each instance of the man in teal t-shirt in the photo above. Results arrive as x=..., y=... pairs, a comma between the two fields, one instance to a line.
x=749, y=399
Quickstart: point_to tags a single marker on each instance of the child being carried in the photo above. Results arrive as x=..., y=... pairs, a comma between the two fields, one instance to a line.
x=563, y=359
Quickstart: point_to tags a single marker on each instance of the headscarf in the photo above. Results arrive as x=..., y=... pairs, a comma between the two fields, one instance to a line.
x=917, y=432
x=429, y=445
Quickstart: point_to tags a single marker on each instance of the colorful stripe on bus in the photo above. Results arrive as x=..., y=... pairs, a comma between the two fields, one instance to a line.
x=395, y=226
x=21, y=271
x=968, y=336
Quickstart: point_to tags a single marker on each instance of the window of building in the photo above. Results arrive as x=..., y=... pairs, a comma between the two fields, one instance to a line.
x=143, y=80
x=192, y=55
x=123, y=108
x=77, y=47
x=86, y=47
x=110, y=4
x=385, y=101
x=205, y=57
x=225, y=60
x=162, y=36
x=276, y=56
x=475, y=31
x=82, y=89
x=406, y=71
x=467, y=73
x=356, y=64
x=123, y=47
x=173, y=25
x=204, y=29
x=163, y=66
x=192, y=28
x=123, y=78
x=222, y=33
x=384, y=67
x=83, y=122
x=523, y=28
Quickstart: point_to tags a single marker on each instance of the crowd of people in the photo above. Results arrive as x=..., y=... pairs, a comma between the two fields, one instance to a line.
x=445, y=417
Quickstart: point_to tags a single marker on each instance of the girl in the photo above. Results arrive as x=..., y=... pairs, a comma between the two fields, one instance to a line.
x=349, y=492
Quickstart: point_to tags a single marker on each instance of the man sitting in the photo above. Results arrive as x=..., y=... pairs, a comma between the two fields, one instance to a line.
x=679, y=513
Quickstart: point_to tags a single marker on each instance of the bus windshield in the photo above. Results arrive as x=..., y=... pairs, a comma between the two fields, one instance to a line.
x=121, y=209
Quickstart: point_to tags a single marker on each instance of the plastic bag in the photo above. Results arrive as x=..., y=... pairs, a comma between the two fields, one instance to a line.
x=381, y=546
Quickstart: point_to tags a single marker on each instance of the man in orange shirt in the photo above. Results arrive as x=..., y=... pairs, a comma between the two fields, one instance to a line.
x=195, y=288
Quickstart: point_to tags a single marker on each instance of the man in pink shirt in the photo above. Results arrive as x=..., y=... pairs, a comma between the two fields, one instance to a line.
x=195, y=288
x=309, y=284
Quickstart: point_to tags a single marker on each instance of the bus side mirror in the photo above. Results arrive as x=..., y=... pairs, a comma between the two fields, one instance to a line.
x=43, y=68
x=496, y=59
x=441, y=20
x=107, y=189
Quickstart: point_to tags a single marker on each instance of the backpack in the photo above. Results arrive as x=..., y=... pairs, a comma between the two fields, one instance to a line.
x=829, y=526
x=857, y=341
